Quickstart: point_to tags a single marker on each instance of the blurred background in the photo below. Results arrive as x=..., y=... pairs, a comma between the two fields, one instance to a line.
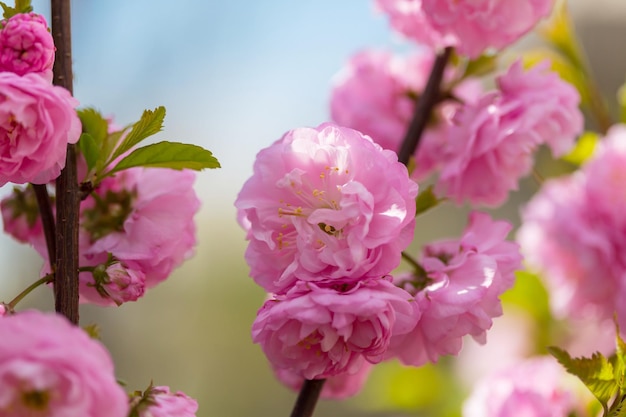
x=234, y=76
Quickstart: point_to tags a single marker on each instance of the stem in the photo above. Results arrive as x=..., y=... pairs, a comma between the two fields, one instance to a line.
x=307, y=399
x=424, y=107
x=66, y=281
x=48, y=278
x=47, y=220
x=419, y=269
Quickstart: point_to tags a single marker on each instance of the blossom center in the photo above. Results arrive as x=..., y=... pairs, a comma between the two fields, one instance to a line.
x=109, y=213
x=36, y=400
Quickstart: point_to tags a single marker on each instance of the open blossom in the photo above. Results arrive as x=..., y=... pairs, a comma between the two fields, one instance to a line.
x=537, y=387
x=318, y=332
x=26, y=46
x=491, y=142
x=459, y=294
x=574, y=232
x=336, y=387
x=37, y=121
x=144, y=219
x=159, y=401
x=385, y=112
x=470, y=26
x=325, y=203
x=48, y=367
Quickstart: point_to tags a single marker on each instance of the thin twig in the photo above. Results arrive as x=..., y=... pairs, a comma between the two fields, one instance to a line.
x=47, y=221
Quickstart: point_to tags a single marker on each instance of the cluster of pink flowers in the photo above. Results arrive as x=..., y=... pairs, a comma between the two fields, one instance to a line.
x=49, y=367
x=457, y=293
x=37, y=119
x=472, y=27
x=532, y=388
x=327, y=213
x=574, y=232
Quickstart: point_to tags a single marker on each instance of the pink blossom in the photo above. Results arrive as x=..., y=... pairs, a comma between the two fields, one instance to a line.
x=4, y=310
x=325, y=203
x=144, y=219
x=490, y=144
x=385, y=112
x=537, y=387
x=20, y=217
x=123, y=284
x=26, y=46
x=470, y=26
x=318, y=332
x=459, y=294
x=160, y=402
x=336, y=387
x=574, y=230
x=37, y=121
x=48, y=367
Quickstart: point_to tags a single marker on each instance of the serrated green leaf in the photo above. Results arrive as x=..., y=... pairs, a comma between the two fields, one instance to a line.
x=172, y=155
x=584, y=148
x=88, y=147
x=618, y=409
x=620, y=360
x=94, y=124
x=23, y=6
x=426, y=200
x=150, y=123
x=480, y=66
x=107, y=147
x=597, y=373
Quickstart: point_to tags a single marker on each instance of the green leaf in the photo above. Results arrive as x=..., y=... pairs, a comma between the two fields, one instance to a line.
x=151, y=123
x=483, y=65
x=621, y=99
x=618, y=409
x=168, y=155
x=585, y=146
x=559, y=32
x=597, y=373
x=426, y=200
x=89, y=149
x=620, y=360
x=93, y=330
x=94, y=124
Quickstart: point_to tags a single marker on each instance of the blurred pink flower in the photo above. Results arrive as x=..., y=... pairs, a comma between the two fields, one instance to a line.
x=491, y=142
x=472, y=27
x=574, y=233
x=336, y=387
x=20, y=217
x=459, y=295
x=144, y=219
x=37, y=122
x=26, y=46
x=537, y=387
x=123, y=284
x=318, y=332
x=3, y=310
x=163, y=403
x=385, y=112
x=48, y=367
x=325, y=203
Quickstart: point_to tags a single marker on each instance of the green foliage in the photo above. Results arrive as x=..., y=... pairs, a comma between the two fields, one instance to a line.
x=585, y=146
x=621, y=100
x=21, y=6
x=483, y=65
x=168, y=155
x=101, y=148
x=560, y=33
x=426, y=200
x=93, y=331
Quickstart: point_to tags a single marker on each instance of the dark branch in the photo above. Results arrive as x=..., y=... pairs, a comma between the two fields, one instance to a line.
x=307, y=399
x=47, y=221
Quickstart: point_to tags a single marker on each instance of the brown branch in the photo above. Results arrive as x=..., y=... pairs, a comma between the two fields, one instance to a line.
x=424, y=107
x=47, y=221
x=307, y=399
x=66, y=279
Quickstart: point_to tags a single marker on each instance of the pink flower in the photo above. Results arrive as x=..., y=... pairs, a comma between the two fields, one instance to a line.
x=26, y=46
x=574, y=233
x=385, y=112
x=459, y=294
x=537, y=387
x=470, y=26
x=37, y=121
x=122, y=284
x=48, y=367
x=318, y=332
x=325, y=204
x=336, y=387
x=160, y=402
x=20, y=217
x=4, y=310
x=491, y=142
x=143, y=219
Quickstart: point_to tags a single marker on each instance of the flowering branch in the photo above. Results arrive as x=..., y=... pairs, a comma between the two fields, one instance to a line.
x=307, y=399
x=66, y=259
x=424, y=107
